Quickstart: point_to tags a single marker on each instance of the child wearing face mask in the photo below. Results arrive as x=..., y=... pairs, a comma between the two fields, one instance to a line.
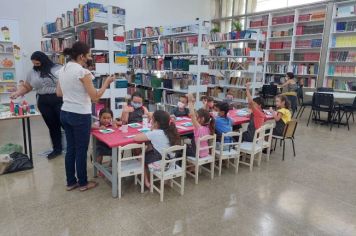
x=208, y=103
x=133, y=112
x=181, y=109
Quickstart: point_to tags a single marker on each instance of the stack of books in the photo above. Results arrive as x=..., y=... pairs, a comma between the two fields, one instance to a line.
x=277, y=20
x=143, y=32
x=345, y=85
x=258, y=23
x=343, y=56
x=224, y=51
x=224, y=65
x=278, y=57
x=342, y=70
x=309, y=56
x=245, y=34
x=277, y=68
x=88, y=36
x=280, y=45
x=344, y=41
x=282, y=33
x=306, y=69
x=309, y=29
x=346, y=26
x=309, y=43
x=315, y=16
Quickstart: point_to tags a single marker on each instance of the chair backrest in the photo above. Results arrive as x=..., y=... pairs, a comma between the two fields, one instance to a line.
x=300, y=93
x=231, y=145
x=258, y=138
x=130, y=147
x=211, y=140
x=354, y=103
x=324, y=89
x=323, y=100
x=269, y=89
x=293, y=101
x=290, y=128
x=268, y=127
x=171, y=156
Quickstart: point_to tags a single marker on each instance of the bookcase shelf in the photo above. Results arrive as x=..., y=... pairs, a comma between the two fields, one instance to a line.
x=8, y=83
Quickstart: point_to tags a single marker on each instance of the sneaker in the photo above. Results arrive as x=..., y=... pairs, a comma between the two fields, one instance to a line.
x=54, y=154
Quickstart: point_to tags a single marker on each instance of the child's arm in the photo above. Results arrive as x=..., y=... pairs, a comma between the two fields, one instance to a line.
x=125, y=114
x=145, y=110
x=141, y=138
x=277, y=115
x=249, y=96
x=192, y=113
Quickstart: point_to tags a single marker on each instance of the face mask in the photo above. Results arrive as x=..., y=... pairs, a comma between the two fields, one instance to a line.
x=181, y=105
x=215, y=113
x=136, y=105
x=37, y=68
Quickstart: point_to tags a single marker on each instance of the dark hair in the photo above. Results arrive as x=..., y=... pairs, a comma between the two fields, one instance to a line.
x=208, y=120
x=78, y=48
x=223, y=106
x=136, y=94
x=259, y=101
x=106, y=110
x=290, y=75
x=207, y=98
x=163, y=120
x=184, y=96
x=46, y=64
x=285, y=100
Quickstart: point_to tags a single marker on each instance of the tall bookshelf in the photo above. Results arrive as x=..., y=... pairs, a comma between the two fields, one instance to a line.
x=340, y=71
x=235, y=59
x=166, y=62
x=102, y=28
x=293, y=42
x=7, y=71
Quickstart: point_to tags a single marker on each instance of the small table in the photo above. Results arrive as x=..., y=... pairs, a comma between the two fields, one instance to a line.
x=26, y=134
x=337, y=95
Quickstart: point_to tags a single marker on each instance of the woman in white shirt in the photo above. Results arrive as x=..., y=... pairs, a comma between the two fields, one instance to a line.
x=76, y=87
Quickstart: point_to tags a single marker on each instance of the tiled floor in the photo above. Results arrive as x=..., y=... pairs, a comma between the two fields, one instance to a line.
x=311, y=194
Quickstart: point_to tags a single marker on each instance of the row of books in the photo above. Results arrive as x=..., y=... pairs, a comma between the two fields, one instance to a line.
x=346, y=56
x=218, y=92
x=148, y=80
x=244, y=34
x=282, y=33
x=257, y=23
x=306, y=69
x=280, y=45
x=150, y=96
x=345, y=85
x=172, y=98
x=88, y=36
x=224, y=51
x=344, y=41
x=346, y=10
x=309, y=82
x=58, y=58
x=345, y=26
x=277, y=68
x=282, y=19
x=224, y=65
x=7, y=88
x=56, y=44
x=309, y=29
x=178, y=81
x=309, y=56
x=342, y=70
x=279, y=57
x=314, y=16
x=168, y=63
x=308, y=43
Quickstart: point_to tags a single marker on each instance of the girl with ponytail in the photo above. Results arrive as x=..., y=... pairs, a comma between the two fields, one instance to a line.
x=163, y=135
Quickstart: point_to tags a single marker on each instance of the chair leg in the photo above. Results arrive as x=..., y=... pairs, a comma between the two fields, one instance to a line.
x=259, y=159
x=162, y=190
x=220, y=165
x=293, y=146
x=151, y=182
x=182, y=185
x=196, y=173
x=119, y=186
x=268, y=152
x=347, y=121
x=252, y=157
x=284, y=149
x=309, y=116
x=353, y=118
x=275, y=144
x=142, y=183
x=212, y=169
x=237, y=163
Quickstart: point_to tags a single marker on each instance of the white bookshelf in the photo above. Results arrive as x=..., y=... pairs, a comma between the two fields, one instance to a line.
x=341, y=41
x=113, y=24
x=7, y=73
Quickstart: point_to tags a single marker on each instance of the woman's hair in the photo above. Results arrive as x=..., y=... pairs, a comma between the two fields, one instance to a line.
x=284, y=99
x=223, y=106
x=46, y=64
x=136, y=94
x=163, y=120
x=208, y=120
x=290, y=75
x=78, y=48
x=106, y=110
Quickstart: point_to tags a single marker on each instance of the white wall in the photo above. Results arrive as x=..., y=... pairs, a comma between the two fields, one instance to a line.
x=33, y=13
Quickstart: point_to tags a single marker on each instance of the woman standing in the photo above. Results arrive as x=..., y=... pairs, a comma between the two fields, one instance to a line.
x=43, y=79
x=76, y=87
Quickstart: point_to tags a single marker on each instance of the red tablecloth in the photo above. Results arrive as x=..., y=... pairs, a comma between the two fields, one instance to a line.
x=118, y=138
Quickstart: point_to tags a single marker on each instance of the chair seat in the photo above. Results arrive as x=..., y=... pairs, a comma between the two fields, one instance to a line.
x=305, y=104
x=231, y=152
x=246, y=147
x=277, y=137
x=131, y=167
x=201, y=160
x=266, y=144
x=173, y=172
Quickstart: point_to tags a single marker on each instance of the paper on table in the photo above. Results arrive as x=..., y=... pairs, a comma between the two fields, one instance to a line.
x=130, y=136
x=134, y=125
x=187, y=124
x=106, y=131
x=144, y=130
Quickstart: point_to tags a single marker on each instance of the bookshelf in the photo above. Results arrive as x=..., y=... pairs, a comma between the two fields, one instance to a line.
x=340, y=70
x=102, y=28
x=166, y=61
x=8, y=82
x=293, y=42
x=234, y=59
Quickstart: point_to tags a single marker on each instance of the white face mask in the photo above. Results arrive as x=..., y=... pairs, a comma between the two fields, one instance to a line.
x=215, y=113
x=181, y=105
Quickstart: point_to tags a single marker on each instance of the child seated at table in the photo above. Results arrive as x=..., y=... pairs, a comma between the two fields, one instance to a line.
x=133, y=112
x=223, y=123
x=208, y=103
x=105, y=121
x=203, y=124
x=282, y=116
x=257, y=117
x=181, y=109
x=163, y=135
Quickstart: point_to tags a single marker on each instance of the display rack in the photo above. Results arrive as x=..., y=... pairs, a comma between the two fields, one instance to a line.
x=100, y=27
x=167, y=61
x=340, y=70
x=8, y=82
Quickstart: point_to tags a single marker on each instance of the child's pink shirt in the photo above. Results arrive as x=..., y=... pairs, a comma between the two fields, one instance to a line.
x=198, y=133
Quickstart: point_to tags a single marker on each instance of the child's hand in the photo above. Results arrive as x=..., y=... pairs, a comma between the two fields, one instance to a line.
x=127, y=109
x=102, y=127
x=248, y=85
x=118, y=123
x=271, y=109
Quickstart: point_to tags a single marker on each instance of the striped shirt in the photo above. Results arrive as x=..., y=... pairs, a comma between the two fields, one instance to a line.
x=45, y=85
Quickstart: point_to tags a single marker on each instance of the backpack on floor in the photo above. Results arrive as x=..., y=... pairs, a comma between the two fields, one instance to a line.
x=19, y=162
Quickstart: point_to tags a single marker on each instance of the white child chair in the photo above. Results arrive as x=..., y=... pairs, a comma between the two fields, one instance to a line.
x=171, y=166
x=253, y=148
x=229, y=151
x=198, y=162
x=130, y=165
x=267, y=142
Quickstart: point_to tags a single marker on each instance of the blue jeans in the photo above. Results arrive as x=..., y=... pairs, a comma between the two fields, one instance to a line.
x=77, y=129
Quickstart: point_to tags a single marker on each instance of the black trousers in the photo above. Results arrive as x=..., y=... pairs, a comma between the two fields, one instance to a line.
x=50, y=108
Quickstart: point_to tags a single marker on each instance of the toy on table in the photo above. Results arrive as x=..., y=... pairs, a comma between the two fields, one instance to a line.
x=22, y=108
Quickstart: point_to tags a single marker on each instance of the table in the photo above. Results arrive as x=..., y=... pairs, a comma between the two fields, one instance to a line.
x=118, y=139
x=337, y=95
x=26, y=124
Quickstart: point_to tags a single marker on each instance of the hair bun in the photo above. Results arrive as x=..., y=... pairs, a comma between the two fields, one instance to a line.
x=68, y=51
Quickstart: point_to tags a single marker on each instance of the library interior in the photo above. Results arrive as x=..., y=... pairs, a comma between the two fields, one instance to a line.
x=167, y=117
